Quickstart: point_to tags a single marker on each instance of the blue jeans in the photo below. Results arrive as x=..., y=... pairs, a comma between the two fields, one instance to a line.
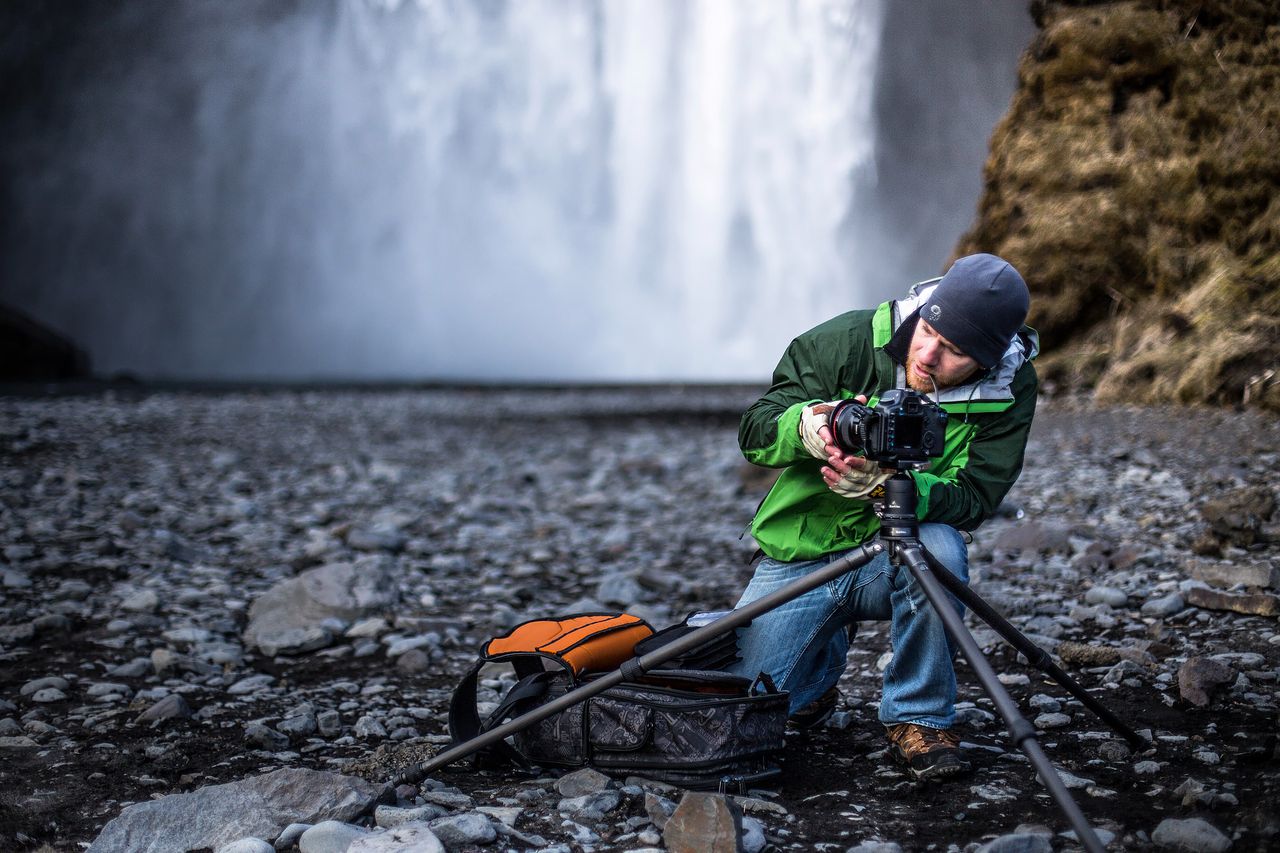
x=802, y=644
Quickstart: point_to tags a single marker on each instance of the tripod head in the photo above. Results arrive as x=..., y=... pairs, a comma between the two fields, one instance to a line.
x=897, y=510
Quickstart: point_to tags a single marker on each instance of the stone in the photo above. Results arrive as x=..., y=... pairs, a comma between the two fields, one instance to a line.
x=704, y=823
x=142, y=601
x=414, y=662
x=1069, y=780
x=448, y=799
x=1227, y=574
x=1107, y=595
x=288, y=839
x=1199, y=678
x=1256, y=604
x=1114, y=750
x=289, y=614
x=246, y=845
x=258, y=807
x=658, y=808
x=1239, y=515
x=330, y=836
x=48, y=695
x=329, y=723
x=251, y=684
x=171, y=707
x=876, y=847
x=582, y=782
x=1164, y=606
x=1018, y=843
x=1083, y=654
x=1052, y=721
x=753, y=837
x=389, y=817
x=50, y=682
x=1146, y=768
x=461, y=830
x=1036, y=537
x=265, y=737
x=406, y=838
x=1192, y=835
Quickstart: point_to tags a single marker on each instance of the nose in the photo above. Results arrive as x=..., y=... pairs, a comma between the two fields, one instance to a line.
x=929, y=352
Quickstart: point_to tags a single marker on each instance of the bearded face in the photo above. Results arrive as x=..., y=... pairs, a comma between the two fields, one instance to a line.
x=934, y=363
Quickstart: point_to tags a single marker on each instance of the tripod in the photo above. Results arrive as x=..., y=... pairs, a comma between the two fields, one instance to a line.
x=899, y=537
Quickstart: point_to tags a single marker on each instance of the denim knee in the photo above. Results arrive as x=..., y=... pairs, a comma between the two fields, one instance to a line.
x=947, y=546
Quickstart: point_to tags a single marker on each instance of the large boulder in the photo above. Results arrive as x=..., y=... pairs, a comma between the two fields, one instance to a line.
x=260, y=807
x=306, y=612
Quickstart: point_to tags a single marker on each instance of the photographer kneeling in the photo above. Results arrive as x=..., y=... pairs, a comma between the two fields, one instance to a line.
x=961, y=341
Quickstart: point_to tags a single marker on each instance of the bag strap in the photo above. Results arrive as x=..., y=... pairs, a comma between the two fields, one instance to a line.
x=464, y=715
x=584, y=642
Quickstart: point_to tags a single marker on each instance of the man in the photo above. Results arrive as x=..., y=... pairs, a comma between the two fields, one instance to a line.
x=963, y=342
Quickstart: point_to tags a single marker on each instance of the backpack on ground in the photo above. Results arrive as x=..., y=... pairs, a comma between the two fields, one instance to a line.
x=697, y=728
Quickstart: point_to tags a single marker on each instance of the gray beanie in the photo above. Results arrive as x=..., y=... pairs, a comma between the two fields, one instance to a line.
x=979, y=306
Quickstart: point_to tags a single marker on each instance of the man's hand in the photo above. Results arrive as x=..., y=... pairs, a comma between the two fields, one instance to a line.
x=814, y=432
x=848, y=475
x=854, y=476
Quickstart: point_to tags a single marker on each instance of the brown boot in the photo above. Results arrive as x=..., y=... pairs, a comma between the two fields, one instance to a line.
x=928, y=753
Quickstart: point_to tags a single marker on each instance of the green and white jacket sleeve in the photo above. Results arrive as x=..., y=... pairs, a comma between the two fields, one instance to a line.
x=808, y=372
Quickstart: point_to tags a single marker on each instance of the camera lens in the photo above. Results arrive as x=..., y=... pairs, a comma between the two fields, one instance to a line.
x=846, y=425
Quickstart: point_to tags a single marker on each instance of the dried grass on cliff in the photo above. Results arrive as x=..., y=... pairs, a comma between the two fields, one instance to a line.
x=1134, y=181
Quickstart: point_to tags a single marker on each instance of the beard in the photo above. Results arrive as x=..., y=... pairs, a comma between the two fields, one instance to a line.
x=939, y=383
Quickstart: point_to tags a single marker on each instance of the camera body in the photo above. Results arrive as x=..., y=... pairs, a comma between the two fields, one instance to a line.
x=904, y=427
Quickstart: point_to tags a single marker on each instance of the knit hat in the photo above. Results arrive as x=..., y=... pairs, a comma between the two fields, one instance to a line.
x=979, y=306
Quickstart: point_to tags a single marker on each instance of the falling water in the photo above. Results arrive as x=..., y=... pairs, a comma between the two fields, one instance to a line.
x=438, y=189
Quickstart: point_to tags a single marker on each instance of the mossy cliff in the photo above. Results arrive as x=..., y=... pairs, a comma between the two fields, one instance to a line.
x=1135, y=181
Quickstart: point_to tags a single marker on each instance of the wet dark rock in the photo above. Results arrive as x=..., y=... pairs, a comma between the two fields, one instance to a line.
x=1200, y=678
x=1237, y=517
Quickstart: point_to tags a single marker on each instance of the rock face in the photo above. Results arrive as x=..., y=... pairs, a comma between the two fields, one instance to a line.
x=1132, y=182
x=260, y=807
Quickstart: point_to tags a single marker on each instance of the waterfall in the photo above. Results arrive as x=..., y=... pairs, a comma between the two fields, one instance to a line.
x=634, y=190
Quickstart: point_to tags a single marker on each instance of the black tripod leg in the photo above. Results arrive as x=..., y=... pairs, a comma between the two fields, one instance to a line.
x=1021, y=731
x=638, y=666
x=1033, y=653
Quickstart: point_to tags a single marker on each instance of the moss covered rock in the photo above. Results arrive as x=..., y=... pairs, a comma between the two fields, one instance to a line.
x=1135, y=181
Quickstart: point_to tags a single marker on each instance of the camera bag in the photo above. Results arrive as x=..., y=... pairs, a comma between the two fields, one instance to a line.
x=695, y=728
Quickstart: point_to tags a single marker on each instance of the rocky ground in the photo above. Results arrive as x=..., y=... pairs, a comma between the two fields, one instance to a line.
x=234, y=612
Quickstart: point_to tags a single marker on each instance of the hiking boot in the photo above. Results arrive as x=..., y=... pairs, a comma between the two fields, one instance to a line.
x=816, y=713
x=928, y=753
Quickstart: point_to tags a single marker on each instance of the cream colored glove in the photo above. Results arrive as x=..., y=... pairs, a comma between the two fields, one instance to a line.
x=860, y=483
x=813, y=417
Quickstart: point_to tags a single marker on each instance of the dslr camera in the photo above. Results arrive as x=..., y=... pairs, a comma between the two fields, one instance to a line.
x=905, y=427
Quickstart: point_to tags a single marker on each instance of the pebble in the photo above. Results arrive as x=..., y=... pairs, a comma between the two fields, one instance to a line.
x=246, y=845
x=450, y=562
x=1192, y=835
x=1164, y=606
x=464, y=829
x=330, y=836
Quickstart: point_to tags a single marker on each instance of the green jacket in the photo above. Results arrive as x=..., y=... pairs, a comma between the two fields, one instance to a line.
x=800, y=518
